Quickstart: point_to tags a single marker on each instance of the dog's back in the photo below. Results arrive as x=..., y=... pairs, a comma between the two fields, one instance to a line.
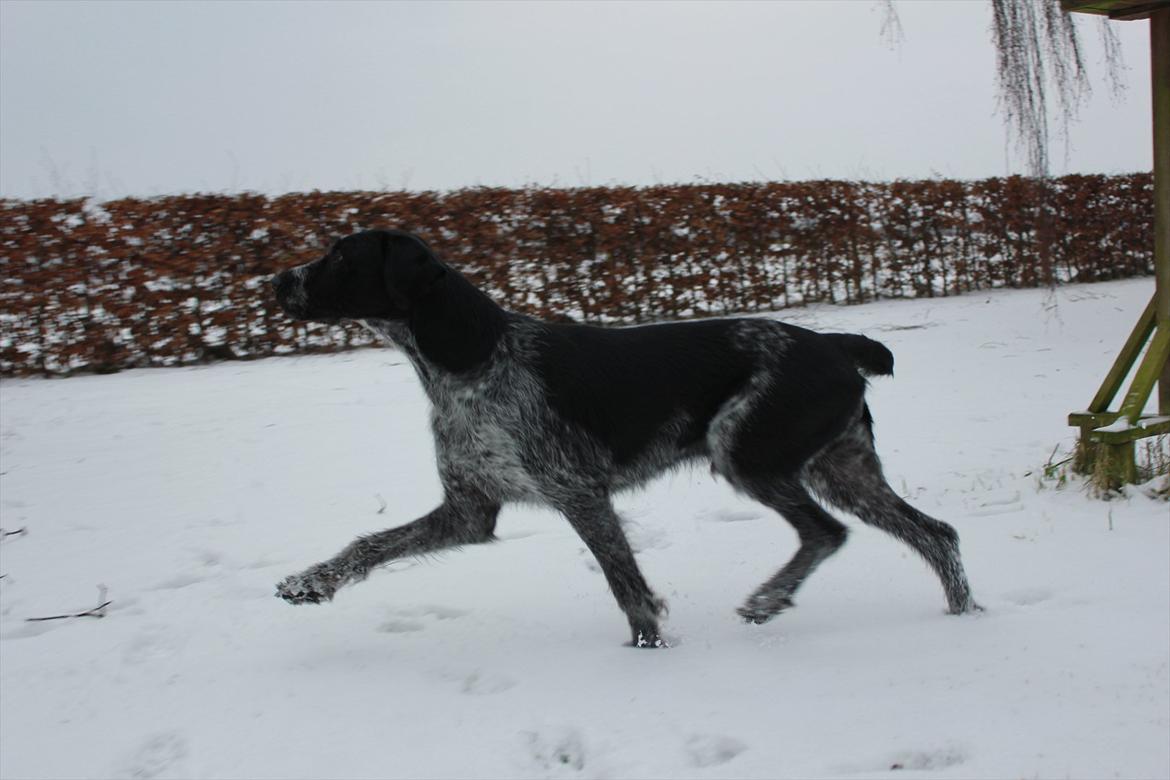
x=641, y=387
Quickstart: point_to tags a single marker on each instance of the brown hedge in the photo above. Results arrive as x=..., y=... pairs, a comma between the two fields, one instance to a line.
x=182, y=279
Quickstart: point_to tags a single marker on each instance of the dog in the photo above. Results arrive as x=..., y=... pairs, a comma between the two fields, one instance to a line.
x=566, y=415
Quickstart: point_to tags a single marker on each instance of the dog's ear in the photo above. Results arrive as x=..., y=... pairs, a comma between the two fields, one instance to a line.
x=411, y=269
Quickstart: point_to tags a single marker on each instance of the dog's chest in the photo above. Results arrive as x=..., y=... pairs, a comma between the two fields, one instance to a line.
x=478, y=438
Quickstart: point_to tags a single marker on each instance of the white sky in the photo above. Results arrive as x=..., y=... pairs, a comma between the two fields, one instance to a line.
x=150, y=98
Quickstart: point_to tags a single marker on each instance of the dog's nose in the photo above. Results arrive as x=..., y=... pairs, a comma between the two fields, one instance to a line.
x=289, y=292
x=281, y=283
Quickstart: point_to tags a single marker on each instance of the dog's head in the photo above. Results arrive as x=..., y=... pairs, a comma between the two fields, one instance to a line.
x=375, y=274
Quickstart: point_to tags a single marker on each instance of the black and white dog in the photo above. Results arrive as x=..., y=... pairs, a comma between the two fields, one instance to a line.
x=566, y=415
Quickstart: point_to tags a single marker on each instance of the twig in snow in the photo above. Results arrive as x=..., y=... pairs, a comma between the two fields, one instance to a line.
x=18, y=532
x=97, y=612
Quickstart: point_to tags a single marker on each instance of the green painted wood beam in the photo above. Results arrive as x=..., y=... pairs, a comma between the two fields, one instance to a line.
x=1106, y=445
x=1121, y=10
x=1160, y=96
x=1087, y=421
x=1147, y=374
x=1125, y=359
x=1146, y=427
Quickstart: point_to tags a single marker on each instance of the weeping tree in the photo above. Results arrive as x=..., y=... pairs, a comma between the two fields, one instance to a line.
x=1040, y=70
x=1041, y=76
x=1040, y=65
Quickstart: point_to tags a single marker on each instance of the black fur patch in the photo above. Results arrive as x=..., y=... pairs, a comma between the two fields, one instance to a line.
x=624, y=385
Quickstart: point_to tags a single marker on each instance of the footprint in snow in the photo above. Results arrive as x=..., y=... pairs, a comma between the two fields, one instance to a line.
x=487, y=683
x=411, y=619
x=643, y=537
x=30, y=630
x=401, y=626
x=263, y=562
x=161, y=755
x=1028, y=597
x=181, y=581
x=933, y=761
x=995, y=502
x=712, y=750
x=439, y=612
x=927, y=760
x=558, y=753
x=154, y=644
x=210, y=557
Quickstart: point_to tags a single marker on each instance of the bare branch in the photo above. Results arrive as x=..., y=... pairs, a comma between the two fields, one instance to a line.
x=891, y=32
x=1040, y=67
x=97, y=612
x=1114, y=60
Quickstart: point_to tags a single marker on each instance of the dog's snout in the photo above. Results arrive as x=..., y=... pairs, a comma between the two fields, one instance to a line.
x=280, y=283
x=285, y=286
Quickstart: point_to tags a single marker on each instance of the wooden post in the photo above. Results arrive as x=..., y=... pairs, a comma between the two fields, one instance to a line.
x=1116, y=467
x=1160, y=87
x=1106, y=445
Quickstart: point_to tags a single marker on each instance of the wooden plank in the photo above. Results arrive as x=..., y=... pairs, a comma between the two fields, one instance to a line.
x=1147, y=374
x=1090, y=420
x=1157, y=426
x=1125, y=359
x=1120, y=10
x=1136, y=12
x=1160, y=89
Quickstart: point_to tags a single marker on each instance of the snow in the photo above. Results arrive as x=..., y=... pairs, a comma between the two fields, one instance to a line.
x=188, y=493
x=1123, y=424
x=1117, y=426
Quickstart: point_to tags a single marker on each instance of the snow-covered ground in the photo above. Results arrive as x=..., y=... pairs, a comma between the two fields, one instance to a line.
x=188, y=493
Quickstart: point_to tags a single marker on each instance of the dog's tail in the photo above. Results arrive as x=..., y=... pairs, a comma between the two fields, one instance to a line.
x=872, y=358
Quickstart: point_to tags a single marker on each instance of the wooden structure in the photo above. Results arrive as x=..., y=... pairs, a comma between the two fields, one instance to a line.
x=1106, y=446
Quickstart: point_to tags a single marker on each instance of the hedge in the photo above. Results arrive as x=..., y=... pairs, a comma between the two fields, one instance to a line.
x=87, y=286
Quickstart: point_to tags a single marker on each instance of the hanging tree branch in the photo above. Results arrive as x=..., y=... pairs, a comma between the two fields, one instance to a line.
x=1040, y=67
x=891, y=31
x=1037, y=50
x=1114, y=61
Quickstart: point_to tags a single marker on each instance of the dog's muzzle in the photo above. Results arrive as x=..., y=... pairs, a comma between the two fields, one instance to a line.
x=289, y=287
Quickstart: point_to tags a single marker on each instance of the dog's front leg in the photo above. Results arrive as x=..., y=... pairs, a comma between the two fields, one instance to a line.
x=455, y=522
x=595, y=520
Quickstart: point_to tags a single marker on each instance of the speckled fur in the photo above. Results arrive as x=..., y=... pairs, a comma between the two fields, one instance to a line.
x=502, y=434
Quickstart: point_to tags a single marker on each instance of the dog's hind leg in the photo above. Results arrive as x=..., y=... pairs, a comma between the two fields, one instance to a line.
x=457, y=521
x=596, y=522
x=820, y=536
x=848, y=475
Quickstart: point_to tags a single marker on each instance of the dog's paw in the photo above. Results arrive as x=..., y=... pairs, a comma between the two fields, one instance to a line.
x=761, y=608
x=310, y=587
x=969, y=608
x=650, y=639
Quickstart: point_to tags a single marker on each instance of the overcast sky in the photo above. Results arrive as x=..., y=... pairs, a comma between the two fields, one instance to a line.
x=149, y=98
